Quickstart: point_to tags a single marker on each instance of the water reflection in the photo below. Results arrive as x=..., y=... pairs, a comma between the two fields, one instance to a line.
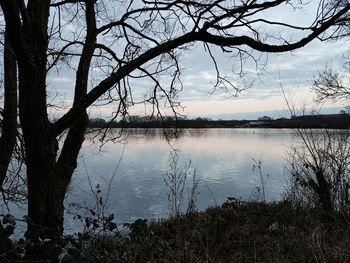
x=135, y=166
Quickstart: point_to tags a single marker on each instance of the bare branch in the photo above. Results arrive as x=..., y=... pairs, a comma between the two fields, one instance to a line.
x=328, y=86
x=188, y=38
x=58, y=4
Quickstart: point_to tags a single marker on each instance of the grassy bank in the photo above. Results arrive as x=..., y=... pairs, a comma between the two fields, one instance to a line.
x=235, y=232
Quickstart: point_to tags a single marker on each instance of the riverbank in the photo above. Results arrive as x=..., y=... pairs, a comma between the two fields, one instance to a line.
x=234, y=232
x=329, y=121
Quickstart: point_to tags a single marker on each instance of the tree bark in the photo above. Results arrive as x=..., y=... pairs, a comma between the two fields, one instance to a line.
x=324, y=192
x=9, y=125
x=49, y=218
x=9, y=129
x=47, y=177
x=44, y=211
x=67, y=161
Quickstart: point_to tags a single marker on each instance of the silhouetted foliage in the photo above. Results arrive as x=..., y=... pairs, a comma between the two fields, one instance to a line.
x=107, y=45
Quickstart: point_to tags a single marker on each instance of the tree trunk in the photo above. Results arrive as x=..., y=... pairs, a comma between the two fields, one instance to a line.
x=324, y=193
x=45, y=220
x=67, y=161
x=49, y=177
x=45, y=209
x=9, y=125
x=9, y=131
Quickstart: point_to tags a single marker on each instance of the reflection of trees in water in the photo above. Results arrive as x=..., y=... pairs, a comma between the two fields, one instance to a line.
x=136, y=134
x=171, y=134
x=167, y=133
x=152, y=133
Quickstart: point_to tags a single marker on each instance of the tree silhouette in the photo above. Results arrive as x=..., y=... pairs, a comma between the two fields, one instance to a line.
x=121, y=41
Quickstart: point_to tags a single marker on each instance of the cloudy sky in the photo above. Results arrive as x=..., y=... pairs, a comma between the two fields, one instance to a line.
x=291, y=72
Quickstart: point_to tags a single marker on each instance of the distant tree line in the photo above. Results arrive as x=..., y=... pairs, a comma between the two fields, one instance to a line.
x=336, y=121
x=165, y=122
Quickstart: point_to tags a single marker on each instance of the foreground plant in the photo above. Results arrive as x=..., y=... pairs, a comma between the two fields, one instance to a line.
x=236, y=232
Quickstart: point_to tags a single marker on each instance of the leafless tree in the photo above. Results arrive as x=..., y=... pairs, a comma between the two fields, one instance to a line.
x=110, y=44
x=320, y=167
x=326, y=153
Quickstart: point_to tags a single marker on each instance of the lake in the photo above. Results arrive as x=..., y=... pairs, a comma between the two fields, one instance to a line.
x=131, y=172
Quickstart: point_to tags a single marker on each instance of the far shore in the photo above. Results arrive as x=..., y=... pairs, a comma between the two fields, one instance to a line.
x=330, y=121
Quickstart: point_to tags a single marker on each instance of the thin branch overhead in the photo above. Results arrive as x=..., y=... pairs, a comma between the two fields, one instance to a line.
x=133, y=36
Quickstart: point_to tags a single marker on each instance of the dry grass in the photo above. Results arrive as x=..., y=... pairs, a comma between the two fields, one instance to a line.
x=235, y=232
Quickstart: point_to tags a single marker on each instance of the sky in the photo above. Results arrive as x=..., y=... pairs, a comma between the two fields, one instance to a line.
x=290, y=73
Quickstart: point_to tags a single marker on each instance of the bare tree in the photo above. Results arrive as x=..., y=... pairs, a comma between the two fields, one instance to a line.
x=108, y=44
x=320, y=167
x=326, y=153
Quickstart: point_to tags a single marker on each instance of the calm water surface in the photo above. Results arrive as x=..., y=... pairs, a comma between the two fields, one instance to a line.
x=133, y=170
